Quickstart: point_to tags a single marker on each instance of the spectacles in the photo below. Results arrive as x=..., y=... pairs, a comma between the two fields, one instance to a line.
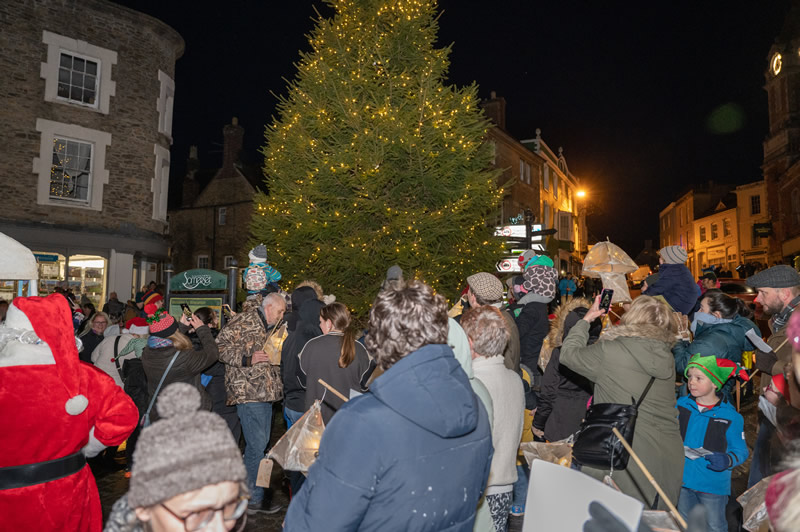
x=202, y=518
x=97, y=322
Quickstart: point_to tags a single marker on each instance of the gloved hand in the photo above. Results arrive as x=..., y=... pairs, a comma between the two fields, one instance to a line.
x=719, y=462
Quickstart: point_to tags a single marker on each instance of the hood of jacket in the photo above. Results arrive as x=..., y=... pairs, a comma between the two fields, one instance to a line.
x=299, y=298
x=429, y=388
x=656, y=344
x=557, y=332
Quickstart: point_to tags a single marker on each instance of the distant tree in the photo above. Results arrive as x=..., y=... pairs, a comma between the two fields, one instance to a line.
x=374, y=160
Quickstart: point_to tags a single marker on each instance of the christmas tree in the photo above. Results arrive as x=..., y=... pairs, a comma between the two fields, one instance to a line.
x=375, y=161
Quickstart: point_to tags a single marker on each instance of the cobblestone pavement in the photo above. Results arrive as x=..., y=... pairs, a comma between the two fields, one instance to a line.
x=112, y=483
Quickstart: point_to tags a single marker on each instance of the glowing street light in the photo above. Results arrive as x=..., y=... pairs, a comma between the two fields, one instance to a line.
x=581, y=194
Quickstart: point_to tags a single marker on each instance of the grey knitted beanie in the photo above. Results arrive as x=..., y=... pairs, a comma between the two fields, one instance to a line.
x=185, y=450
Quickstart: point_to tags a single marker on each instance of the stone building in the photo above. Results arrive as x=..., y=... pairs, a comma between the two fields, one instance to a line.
x=87, y=91
x=212, y=225
x=537, y=178
x=781, y=164
x=716, y=237
x=754, y=224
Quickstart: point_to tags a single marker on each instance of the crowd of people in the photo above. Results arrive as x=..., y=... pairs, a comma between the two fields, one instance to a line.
x=440, y=399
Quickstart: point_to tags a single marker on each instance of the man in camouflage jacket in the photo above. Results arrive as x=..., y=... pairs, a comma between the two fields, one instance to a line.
x=252, y=383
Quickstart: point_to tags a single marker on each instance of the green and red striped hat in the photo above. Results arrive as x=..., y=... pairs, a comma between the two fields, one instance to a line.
x=718, y=370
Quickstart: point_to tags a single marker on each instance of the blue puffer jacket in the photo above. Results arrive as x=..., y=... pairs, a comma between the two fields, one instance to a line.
x=411, y=454
x=720, y=430
x=722, y=340
x=676, y=284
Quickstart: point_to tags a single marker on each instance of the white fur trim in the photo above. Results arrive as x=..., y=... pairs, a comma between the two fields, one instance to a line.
x=138, y=329
x=93, y=447
x=76, y=405
x=18, y=354
x=16, y=319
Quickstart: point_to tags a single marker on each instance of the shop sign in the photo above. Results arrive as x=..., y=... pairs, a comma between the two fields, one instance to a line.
x=716, y=253
x=763, y=230
x=198, y=280
x=45, y=257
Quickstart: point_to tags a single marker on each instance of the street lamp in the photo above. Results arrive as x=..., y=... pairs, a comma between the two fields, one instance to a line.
x=581, y=194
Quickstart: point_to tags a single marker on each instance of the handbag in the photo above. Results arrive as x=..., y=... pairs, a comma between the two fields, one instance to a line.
x=596, y=445
x=145, y=421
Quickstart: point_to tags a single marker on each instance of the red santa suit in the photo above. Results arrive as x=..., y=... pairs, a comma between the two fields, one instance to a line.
x=54, y=411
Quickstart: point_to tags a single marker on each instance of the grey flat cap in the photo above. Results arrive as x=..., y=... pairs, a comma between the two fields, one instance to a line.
x=776, y=277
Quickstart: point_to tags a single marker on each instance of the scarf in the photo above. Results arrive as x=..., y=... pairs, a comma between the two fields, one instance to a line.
x=710, y=319
x=781, y=318
x=154, y=342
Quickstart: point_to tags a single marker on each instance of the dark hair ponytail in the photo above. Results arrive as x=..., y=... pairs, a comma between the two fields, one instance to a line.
x=728, y=307
x=338, y=314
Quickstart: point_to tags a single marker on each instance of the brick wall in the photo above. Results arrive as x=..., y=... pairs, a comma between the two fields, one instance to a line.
x=143, y=45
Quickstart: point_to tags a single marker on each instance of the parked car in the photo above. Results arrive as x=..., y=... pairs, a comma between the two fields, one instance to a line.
x=738, y=289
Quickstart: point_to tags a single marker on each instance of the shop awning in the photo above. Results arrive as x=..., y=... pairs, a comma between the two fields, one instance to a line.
x=16, y=261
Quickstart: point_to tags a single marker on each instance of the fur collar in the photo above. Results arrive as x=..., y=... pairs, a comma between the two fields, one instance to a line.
x=555, y=336
x=650, y=332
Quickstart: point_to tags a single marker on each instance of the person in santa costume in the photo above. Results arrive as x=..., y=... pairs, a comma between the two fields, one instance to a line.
x=54, y=412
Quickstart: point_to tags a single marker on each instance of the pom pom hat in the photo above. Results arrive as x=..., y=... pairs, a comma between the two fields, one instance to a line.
x=151, y=298
x=718, y=370
x=185, y=450
x=161, y=323
x=137, y=326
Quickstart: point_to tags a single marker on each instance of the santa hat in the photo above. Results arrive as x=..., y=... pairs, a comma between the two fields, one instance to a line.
x=51, y=319
x=718, y=370
x=161, y=323
x=137, y=326
x=151, y=298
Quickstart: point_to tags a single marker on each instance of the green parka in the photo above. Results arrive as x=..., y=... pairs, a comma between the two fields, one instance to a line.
x=621, y=364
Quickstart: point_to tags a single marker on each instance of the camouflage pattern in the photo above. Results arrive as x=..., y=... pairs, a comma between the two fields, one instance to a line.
x=240, y=338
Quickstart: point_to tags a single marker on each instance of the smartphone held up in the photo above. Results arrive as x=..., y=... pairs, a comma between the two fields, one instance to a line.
x=605, y=299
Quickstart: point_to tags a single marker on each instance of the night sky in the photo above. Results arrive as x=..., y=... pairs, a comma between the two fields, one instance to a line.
x=645, y=101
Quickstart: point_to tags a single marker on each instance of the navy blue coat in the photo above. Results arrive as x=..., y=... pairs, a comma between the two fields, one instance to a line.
x=412, y=454
x=676, y=284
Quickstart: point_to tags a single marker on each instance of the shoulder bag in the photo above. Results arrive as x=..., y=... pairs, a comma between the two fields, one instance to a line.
x=596, y=445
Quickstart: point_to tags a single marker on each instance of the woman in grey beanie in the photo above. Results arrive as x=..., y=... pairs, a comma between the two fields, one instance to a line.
x=187, y=472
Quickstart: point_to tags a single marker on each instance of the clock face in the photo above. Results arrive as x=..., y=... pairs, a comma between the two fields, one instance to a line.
x=776, y=64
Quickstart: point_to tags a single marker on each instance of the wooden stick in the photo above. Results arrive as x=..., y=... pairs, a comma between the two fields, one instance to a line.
x=672, y=509
x=333, y=390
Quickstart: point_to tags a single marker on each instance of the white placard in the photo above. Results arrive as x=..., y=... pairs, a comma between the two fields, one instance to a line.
x=559, y=498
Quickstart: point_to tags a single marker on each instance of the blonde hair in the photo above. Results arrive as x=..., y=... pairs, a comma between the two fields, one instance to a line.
x=647, y=310
x=313, y=284
x=180, y=341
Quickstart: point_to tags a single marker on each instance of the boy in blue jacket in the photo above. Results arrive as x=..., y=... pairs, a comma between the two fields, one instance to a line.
x=713, y=427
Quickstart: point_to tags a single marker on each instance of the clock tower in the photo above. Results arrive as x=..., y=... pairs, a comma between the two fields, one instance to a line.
x=781, y=165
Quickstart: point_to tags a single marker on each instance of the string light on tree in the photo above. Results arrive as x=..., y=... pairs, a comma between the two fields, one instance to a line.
x=374, y=159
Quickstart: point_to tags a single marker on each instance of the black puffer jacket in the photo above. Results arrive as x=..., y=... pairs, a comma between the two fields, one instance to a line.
x=531, y=319
x=305, y=319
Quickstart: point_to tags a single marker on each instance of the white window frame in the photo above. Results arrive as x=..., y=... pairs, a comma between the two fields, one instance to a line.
x=42, y=165
x=222, y=216
x=106, y=87
x=165, y=104
x=159, y=185
x=228, y=260
x=755, y=201
x=208, y=263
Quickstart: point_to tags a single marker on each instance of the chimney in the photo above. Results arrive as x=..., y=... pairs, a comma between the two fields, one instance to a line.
x=191, y=188
x=495, y=109
x=232, y=147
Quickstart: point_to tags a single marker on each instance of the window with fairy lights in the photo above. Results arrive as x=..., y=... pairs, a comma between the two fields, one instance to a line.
x=71, y=170
x=77, y=73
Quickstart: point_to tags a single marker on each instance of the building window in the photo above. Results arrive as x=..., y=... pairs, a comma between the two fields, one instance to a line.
x=228, y=261
x=755, y=204
x=71, y=170
x=202, y=262
x=726, y=227
x=546, y=212
x=714, y=231
x=555, y=185
x=546, y=177
x=77, y=79
x=493, y=150
x=71, y=165
x=222, y=215
x=166, y=101
x=756, y=240
x=702, y=233
x=524, y=172
x=77, y=73
x=160, y=183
